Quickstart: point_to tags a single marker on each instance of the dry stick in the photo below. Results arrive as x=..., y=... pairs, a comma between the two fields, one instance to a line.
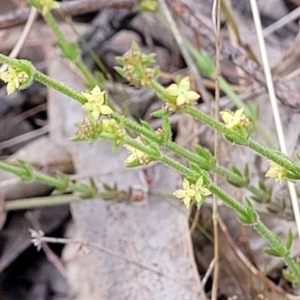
x=239, y=57
x=275, y=109
x=38, y=239
x=76, y=7
x=195, y=221
x=51, y=256
x=293, y=15
x=185, y=53
x=24, y=137
x=208, y=272
x=216, y=11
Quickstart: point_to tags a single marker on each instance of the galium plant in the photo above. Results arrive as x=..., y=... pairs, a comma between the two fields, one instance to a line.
x=102, y=122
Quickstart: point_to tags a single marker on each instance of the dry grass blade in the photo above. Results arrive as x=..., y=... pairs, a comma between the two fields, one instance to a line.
x=216, y=12
x=274, y=105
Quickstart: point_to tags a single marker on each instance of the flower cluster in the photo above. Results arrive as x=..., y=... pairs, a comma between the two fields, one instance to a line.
x=191, y=192
x=88, y=129
x=236, y=120
x=135, y=67
x=14, y=79
x=91, y=130
x=95, y=105
x=179, y=95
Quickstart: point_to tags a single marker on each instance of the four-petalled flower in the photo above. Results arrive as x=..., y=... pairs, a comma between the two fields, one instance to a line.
x=13, y=78
x=191, y=192
x=276, y=171
x=182, y=93
x=237, y=120
x=96, y=103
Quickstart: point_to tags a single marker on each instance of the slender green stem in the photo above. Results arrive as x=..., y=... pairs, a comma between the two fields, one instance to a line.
x=48, y=17
x=270, y=237
x=275, y=156
x=229, y=201
x=15, y=63
x=276, y=244
x=46, y=80
x=21, y=172
x=43, y=178
x=155, y=152
x=179, y=167
x=67, y=47
x=190, y=156
x=137, y=128
x=269, y=153
x=293, y=267
x=273, y=240
x=230, y=176
x=203, y=117
x=30, y=203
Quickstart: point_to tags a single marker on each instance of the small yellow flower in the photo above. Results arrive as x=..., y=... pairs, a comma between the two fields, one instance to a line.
x=13, y=78
x=191, y=192
x=276, y=171
x=237, y=120
x=136, y=156
x=96, y=103
x=182, y=93
x=47, y=5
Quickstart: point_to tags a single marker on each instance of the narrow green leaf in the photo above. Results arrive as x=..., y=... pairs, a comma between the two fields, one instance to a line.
x=146, y=125
x=195, y=167
x=158, y=113
x=289, y=240
x=272, y=252
x=236, y=171
x=28, y=170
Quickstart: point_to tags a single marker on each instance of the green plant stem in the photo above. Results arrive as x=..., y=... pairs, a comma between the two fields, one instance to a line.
x=280, y=160
x=46, y=80
x=274, y=156
x=164, y=158
x=190, y=156
x=230, y=176
x=29, y=203
x=206, y=67
x=237, y=207
x=203, y=117
x=241, y=211
x=63, y=43
x=43, y=178
x=275, y=242
x=293, y=267
x=229, y=201
x=15, y=63
x=269, y=153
